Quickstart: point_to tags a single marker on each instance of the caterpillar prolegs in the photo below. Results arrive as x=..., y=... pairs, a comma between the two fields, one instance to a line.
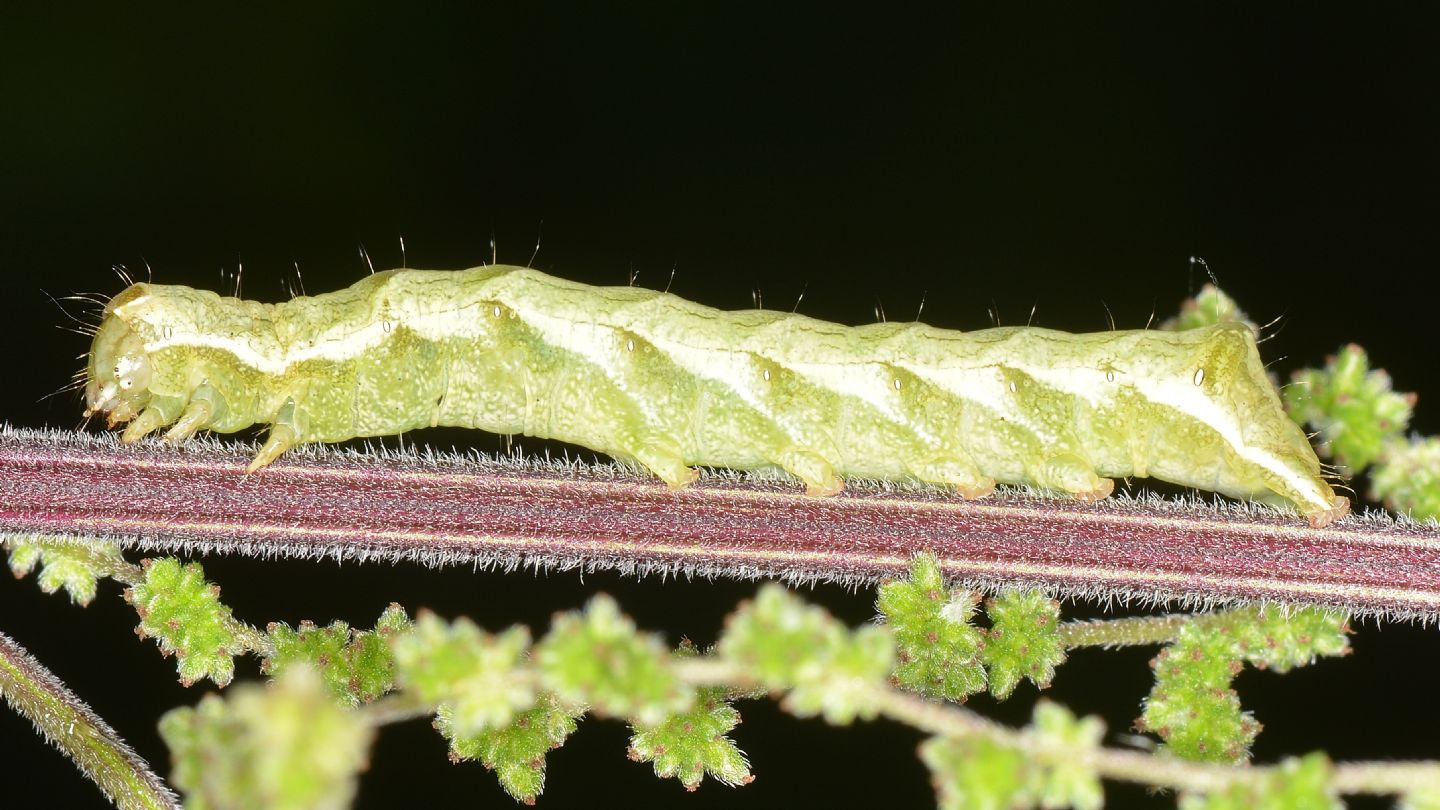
x=651, y=378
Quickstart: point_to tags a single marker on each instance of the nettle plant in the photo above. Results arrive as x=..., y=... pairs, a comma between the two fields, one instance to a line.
x=969, y=608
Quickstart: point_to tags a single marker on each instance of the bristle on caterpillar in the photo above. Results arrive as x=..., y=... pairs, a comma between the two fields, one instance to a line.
x=653, y=379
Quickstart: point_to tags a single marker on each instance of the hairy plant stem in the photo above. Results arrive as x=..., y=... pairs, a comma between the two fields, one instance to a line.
x=70, y=725
x=397, y=708
x=252, y=639
x=1134, y=631
x=1128, y=632
x=448, y=508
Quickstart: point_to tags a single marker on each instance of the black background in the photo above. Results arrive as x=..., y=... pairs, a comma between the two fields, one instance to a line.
x=1065, y=160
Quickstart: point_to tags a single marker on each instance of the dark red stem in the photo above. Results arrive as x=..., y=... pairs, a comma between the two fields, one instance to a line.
x=453, y=509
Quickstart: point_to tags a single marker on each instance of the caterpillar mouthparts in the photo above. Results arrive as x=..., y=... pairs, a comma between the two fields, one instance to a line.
x=119, y=376
x=651, y=378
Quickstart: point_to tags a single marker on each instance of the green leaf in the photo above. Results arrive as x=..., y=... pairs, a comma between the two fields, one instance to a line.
x=937, y=649
x=1355, y=409
x=356, y=665
x=1192, y=706
x=1421, y=797
x=1210, y=307
x=1024, y=640
x=844, y=687
x=783, y=643
x=976, y=774
x=289, y=746
x=477, y=678
x=24, y=555
x=371, y=659
x=75, y=564
x=779, y=639
x=1279, y=639
x=1066, y=781
x=1409, y=480
x=1296, y=784
x=515, y=752
x=690, y=744
x=183, y=612
x=309, y=645
x=599, y=658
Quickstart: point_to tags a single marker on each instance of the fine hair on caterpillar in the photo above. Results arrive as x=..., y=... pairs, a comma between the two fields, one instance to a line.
x=651, y=378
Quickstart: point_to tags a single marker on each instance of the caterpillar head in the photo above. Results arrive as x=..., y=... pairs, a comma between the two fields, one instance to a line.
x=119, y=373
x=164, y=356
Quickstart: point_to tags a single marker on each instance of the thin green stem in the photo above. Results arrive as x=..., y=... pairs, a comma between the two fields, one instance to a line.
x=949, y=720
x=70, y=725
x=1385, y=777
x=253, y=638
x=1129, y=632
x=397, y=707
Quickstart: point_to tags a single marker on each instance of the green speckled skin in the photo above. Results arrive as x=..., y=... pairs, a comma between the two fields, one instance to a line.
x=649, y=377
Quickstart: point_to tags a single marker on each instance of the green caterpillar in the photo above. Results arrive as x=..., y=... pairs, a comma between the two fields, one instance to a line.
x=669, y=384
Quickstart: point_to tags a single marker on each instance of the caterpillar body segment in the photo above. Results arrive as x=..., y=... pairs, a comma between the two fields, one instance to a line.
x=669, y=384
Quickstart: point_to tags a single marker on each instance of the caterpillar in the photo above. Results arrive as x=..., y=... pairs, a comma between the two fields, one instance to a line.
x=667, y=384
